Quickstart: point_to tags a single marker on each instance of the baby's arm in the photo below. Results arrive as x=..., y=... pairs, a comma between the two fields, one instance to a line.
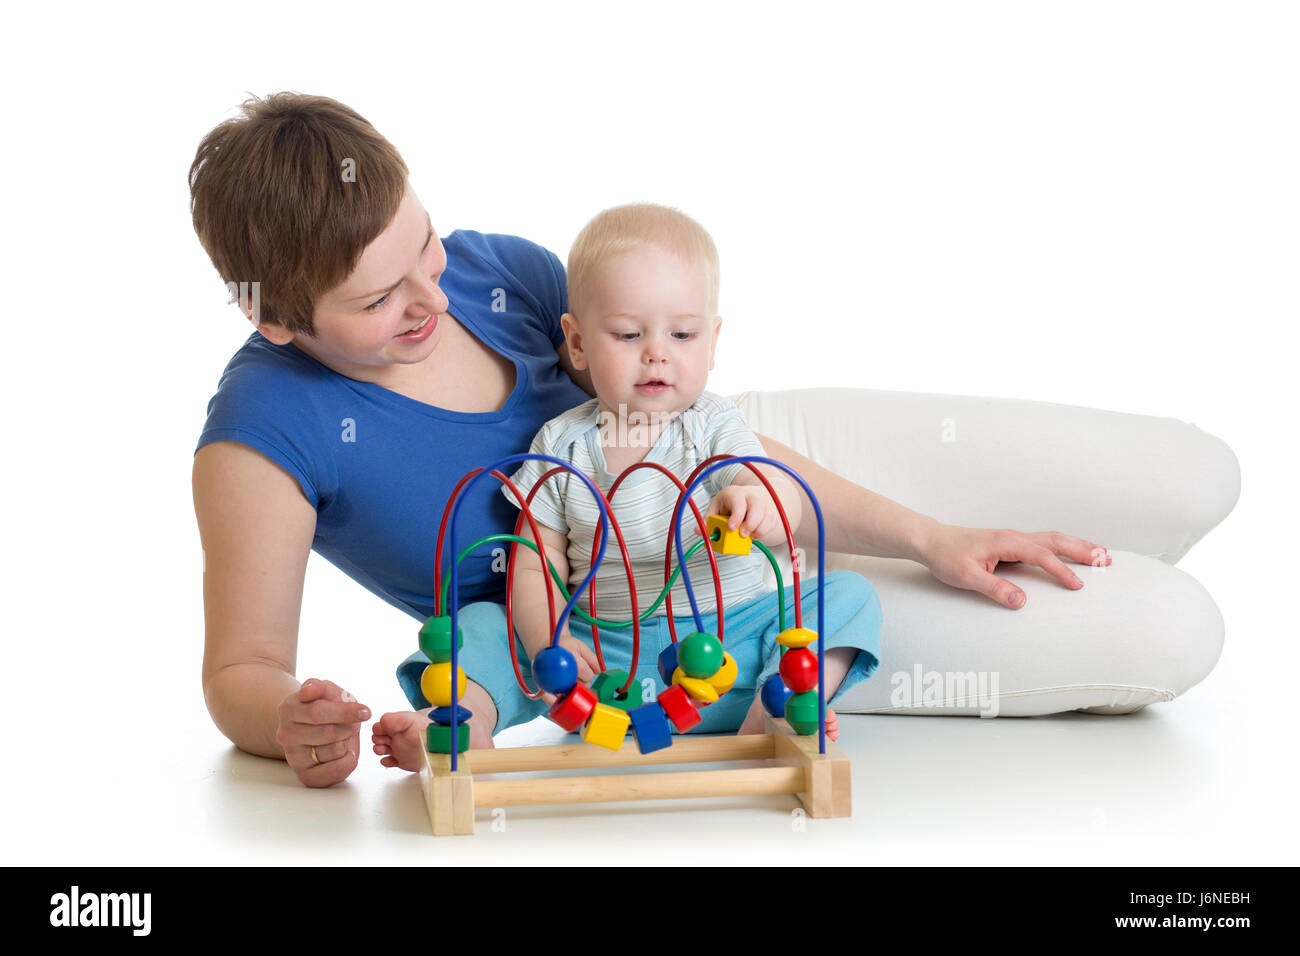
x=528, y=599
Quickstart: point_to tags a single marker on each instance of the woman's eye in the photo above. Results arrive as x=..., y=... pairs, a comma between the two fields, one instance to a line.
x=378, y=302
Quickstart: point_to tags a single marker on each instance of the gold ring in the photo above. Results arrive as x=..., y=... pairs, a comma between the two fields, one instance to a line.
x=314, y=758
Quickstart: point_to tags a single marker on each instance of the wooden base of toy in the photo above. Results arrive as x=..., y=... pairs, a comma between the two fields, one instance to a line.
x=820, y=781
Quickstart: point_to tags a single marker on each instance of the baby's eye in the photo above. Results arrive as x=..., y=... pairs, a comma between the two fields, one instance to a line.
x=378, y=302
x=683, y=336
x=626, y=336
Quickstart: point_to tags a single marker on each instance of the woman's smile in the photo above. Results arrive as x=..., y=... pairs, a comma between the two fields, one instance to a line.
x=421, y=331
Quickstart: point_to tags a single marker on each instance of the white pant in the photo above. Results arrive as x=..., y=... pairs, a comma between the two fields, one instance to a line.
x=1146, y=488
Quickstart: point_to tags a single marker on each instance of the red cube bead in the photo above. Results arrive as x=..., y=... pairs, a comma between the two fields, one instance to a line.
x=799, y=670
x=572, y=710
x=679, y=707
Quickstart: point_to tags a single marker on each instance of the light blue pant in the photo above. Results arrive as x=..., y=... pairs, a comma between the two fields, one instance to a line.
x=853, y=619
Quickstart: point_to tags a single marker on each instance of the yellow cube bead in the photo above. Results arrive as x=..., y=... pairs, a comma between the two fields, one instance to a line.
x=698, y=689
x=723, y=680
x=727, y=541
x=606, y=727
x=435, y=684
x=796, y=637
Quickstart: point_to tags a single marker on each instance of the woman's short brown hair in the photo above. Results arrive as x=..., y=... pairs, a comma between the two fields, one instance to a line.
x=289, y=195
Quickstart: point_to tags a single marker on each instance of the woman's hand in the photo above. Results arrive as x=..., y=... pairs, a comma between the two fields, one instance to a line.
x=324, y=716
x=966, y=558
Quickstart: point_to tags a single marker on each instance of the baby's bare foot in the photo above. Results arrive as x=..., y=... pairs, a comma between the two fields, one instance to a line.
x=832, y=725
x=754, y=724
x=399, y=738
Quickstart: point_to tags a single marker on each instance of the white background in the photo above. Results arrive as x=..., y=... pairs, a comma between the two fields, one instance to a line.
x=1091, y=203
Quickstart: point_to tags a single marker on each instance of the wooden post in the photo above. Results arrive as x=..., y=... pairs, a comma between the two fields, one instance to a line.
x=449, y=796
x=829, y=782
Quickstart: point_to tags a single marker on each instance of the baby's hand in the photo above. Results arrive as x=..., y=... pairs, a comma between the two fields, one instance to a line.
x=750, y=509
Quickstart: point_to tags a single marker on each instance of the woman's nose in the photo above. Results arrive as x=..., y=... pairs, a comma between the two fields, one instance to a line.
x=430, y=297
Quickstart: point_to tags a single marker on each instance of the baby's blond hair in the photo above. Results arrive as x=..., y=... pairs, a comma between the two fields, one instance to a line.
x=634, y=226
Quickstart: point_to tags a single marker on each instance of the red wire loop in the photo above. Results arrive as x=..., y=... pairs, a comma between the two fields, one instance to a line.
x=525, y=512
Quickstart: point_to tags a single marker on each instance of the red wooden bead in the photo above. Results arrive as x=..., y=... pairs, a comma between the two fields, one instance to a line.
x=679, y=707
x=799, y=670
x=572, y=710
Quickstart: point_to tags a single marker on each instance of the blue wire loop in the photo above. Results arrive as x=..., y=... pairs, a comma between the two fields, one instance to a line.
x=821, y=571
x=559, y=624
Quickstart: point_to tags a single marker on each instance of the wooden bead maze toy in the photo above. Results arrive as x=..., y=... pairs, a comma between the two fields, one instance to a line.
x=697, y=671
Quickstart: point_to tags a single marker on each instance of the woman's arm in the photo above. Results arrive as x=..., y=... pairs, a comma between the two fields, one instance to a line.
x=859, y=521
x=256, y=529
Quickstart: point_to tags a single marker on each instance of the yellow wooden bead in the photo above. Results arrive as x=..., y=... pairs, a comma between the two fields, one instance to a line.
x=435, y=683
x=698, y=689
x=607, y=727
x=725, y=676
x=796, y=637
x=728, y=542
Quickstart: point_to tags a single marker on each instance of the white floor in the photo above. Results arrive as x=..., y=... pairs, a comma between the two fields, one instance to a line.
x=115, y=761
x=1205, y=779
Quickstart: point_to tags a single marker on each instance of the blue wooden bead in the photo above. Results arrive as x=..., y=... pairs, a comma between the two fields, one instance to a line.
x=650, y=724
x=774, y=695
x=668, y=663
x=442, y=715
x=556, y=670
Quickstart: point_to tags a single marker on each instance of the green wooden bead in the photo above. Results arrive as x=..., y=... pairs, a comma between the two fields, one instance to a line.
x=435, y=639
x=606, y=686
x=700, y=655
x=438, y=738
x=801, y=713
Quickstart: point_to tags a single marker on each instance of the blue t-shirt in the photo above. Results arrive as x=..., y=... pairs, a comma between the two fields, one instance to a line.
x=379, y=466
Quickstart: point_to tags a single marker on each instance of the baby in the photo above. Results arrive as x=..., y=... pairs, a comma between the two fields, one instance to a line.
x=643, y=291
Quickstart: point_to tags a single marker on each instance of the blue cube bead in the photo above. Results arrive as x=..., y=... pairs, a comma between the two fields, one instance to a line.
x=650, y=724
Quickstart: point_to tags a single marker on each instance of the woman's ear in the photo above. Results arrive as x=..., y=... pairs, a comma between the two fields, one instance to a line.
x=573, y=338
x=273, y=332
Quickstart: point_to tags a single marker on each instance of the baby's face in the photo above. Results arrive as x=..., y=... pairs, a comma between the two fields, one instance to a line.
x=644, y=330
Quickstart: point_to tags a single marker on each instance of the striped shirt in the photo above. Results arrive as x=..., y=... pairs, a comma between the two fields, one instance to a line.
x=643, y=506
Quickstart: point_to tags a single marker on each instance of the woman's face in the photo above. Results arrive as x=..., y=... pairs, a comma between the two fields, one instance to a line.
x=389, y=310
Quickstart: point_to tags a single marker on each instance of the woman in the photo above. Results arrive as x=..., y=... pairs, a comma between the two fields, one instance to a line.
x=388, y=362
